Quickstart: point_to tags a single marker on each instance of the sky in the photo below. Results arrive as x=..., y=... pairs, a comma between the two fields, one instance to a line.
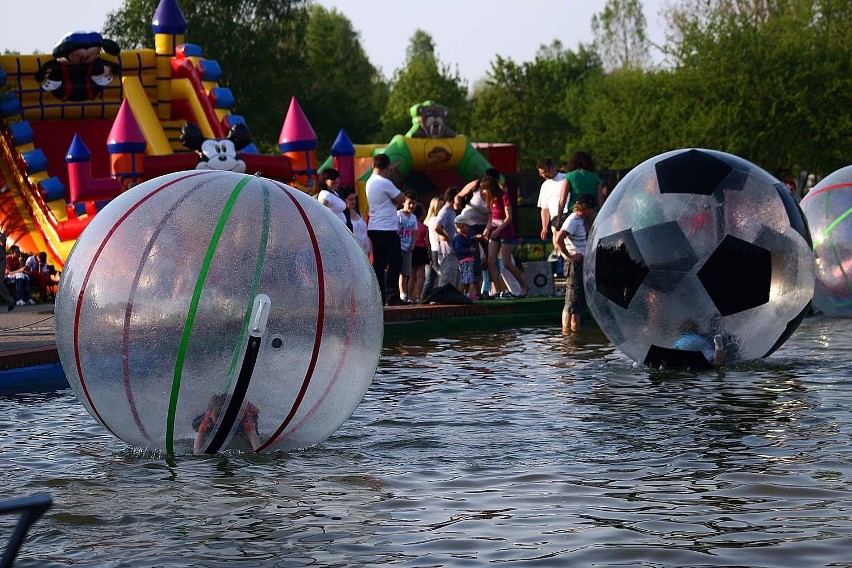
x=468, y=34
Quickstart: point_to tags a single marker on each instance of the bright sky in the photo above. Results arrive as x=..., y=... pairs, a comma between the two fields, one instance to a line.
x=467, y=33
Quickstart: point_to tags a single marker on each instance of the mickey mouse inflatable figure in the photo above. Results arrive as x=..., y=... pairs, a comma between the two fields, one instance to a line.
x=217, y=153
x=77, y=72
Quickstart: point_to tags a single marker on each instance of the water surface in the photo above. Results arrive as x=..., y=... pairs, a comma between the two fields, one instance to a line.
x=518, y=446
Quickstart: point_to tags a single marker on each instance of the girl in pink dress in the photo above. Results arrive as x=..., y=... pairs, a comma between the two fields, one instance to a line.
x=501, y=238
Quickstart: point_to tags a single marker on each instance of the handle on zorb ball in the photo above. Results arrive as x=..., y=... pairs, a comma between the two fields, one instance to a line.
x=234, y=406
x=259, y=315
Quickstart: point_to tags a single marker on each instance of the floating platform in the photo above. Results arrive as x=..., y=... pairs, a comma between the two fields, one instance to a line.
x=29, y=359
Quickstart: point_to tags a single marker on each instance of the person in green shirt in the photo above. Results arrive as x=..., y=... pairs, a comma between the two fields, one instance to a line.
x=582, y=179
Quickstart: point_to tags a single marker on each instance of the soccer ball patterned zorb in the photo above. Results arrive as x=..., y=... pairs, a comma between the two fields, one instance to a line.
x=211, y=310
x=694, y=244
x=828, y=208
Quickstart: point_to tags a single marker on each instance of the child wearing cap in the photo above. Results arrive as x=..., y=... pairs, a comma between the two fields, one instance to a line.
x=463, y=247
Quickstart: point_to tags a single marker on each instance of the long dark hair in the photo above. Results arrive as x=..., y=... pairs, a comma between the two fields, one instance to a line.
x=490, y=189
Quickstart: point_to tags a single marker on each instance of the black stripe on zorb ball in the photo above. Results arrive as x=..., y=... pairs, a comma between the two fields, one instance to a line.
x=232, y=412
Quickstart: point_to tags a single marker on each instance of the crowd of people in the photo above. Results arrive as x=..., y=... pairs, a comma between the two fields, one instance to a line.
x=23, y=275
x=466, y=236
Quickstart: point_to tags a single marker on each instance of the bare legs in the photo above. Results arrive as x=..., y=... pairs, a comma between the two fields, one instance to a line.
x=505, y=251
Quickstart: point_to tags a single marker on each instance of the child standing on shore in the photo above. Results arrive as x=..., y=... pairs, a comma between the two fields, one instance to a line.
x=463, y=247
x=407, y=230
x=571, y=243
x=420, y=256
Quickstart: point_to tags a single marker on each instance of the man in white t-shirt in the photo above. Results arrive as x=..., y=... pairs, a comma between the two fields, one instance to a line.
x=384, y=199
x=552, y=198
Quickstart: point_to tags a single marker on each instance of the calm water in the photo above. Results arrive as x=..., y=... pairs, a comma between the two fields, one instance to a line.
x=521, y=446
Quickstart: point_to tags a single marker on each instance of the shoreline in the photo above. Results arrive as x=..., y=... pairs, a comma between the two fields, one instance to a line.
x=27, y=337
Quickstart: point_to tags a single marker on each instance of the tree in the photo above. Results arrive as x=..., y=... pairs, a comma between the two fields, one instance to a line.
x=525, y=103
x=775, y=77
x=259, y=49
x=620, y=35
x=424, y=77
x=341, y=89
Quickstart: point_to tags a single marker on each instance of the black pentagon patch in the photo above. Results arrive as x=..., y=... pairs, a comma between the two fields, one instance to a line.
x=792, y=325
x=692, y=171
x=675, y=358
x=665, y=248
x=797, y=218
x=737, y=276
x=619, y=268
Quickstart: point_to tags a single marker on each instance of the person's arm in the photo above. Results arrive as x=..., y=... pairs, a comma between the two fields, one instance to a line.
x=399, y=199
x=442, y=232
x=545, y=222
x=333, y=202
x=564, y=191
x=719, y=351
x=465, y=191
x=559, y=241
x=601, y=191
x=10, y=272
x=253, y=439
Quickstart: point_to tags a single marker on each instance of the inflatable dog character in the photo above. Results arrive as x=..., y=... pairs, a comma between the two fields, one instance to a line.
x=217, y=153
x=77, y=72
x=428, y=120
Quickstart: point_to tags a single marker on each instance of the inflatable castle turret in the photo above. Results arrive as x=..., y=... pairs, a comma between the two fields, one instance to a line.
x=126, y=146
x=298, y=141
x=169, y=27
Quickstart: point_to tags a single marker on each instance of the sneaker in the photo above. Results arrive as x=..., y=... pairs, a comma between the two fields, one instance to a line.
x=473, y=297
x=31, y=302
x=505, y=295
x=19, y=303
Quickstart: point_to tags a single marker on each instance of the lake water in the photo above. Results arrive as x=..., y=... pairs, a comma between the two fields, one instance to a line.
x=518, y=446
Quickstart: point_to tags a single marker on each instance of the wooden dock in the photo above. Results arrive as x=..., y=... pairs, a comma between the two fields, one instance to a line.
x=27, y=334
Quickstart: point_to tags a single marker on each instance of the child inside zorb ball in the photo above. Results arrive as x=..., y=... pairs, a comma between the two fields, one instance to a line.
x=698, y=248
x=207, y=311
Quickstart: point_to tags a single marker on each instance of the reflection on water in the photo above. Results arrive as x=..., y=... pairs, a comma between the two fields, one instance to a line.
x=520, y=445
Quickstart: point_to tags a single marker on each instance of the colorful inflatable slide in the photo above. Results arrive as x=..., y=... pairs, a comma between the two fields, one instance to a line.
x=81, y=126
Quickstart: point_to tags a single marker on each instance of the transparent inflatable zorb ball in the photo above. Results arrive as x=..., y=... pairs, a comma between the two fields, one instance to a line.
x=696, y=247
x=208, y=310
x=828, y=208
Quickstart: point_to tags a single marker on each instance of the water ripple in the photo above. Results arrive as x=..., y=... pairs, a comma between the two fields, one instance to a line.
x=521, y=446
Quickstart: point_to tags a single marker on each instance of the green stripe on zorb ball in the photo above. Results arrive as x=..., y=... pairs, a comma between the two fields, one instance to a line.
x=193, y=309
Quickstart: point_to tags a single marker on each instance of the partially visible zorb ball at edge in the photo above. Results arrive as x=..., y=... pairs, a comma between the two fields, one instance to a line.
x=219, y=302
x=828, y=208
x=693, y=244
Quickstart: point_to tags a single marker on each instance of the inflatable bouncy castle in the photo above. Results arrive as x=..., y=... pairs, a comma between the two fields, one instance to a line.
x=83, y=124
x=428, y=158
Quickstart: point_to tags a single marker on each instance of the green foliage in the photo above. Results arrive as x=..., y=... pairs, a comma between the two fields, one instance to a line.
x=259, y=49
x=342, y=88
x=620, y=35
x=524, y=103
x=769, y=80
x=422, y=78
x=766, y=81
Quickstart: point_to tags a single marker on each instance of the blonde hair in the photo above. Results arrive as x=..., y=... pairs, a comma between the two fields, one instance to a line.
x=434, y=207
